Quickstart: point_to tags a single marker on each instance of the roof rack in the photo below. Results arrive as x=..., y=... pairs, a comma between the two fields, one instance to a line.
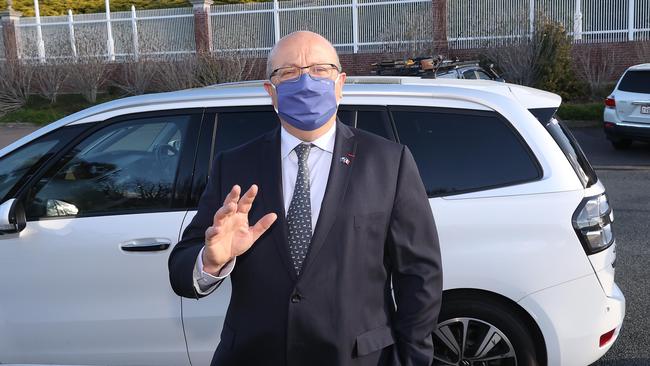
x=426, y=67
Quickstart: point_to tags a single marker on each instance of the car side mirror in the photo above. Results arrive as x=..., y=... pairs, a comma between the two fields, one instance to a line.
x=12, y=217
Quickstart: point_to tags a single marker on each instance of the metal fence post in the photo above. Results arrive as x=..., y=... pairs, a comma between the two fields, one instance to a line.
x=531, y=18
x=39, y=33
x=73, y=45
x=276, y=20
x=630, y=21
x=355, y=25
x=134, y=29
x=110, y=44
x=577, y=21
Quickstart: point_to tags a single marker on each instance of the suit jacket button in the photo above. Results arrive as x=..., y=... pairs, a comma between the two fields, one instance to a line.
x=296, y=298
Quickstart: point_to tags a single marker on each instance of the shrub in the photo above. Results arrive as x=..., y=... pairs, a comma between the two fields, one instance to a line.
x=554, y=69
x=15, y=85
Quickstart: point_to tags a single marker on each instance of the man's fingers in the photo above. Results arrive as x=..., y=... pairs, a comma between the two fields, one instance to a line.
x=246, y=202
x=262, y=225
x=233, y=195
x=223, y=212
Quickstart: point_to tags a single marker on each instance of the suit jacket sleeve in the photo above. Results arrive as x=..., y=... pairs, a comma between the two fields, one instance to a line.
x=414, y=257
x=182, y=259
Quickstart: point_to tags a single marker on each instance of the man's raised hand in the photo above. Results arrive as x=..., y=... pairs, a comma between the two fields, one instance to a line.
x=230, y=234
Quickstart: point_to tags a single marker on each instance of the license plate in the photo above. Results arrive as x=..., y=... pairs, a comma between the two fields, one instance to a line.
x=645, y=109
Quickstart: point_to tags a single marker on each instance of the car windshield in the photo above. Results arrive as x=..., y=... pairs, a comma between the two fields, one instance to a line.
x=636, y=81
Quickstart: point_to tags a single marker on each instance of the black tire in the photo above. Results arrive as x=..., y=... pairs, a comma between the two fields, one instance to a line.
x=482, y=317
x=621, y=144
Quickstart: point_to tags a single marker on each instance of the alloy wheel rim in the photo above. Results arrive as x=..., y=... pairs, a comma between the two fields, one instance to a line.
x=472, y=342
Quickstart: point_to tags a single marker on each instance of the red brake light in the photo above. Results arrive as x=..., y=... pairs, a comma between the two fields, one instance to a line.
x=607, y=337
x=610, y=102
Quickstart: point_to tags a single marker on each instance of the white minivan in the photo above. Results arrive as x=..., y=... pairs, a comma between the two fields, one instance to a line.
x=91, y=205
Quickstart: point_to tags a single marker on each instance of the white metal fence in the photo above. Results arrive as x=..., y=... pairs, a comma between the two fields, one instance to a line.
x=473, y=23
x=118, y=34
x=352, y=25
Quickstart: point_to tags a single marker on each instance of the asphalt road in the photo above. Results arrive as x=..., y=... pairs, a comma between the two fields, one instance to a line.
x=626, y=174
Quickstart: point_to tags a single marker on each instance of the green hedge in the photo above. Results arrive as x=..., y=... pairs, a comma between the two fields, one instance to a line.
x=60, y=7
x=581, y=112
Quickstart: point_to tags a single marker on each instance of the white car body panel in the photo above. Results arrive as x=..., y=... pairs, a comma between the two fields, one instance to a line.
x=78, y=298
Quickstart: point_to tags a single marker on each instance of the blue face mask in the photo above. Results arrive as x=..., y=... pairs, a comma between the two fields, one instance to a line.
x=307, y=103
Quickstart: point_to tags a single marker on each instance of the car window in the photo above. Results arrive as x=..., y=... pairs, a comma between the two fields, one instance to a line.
x=469, y=74
x=636, y=81
x=459, y=151
x=375, y=121
x=128, y=166
x=483, y=75
x=24, y=161
x=451, y=74
x=347, y=116
x=238, y=127
x=572, y=150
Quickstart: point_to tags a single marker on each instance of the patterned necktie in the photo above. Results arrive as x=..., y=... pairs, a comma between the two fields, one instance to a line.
x=299, y=215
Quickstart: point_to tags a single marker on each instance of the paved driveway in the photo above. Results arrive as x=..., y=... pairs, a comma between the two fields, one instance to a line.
x=10, y=132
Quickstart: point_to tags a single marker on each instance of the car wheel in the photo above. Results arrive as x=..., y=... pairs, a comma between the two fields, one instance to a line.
x=480, y=333
x=621, y=144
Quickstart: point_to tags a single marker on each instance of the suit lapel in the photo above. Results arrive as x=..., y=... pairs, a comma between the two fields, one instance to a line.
x=340, y=170
x=270, y=167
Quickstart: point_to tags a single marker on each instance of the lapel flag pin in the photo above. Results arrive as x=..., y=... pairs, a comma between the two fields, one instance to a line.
x=345, y=160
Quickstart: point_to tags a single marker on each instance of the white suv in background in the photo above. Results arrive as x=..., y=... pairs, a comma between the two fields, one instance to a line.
x=627, y=109
x=91, y=205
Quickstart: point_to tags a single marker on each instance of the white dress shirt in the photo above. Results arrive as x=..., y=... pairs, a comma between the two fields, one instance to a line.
x=319, y=162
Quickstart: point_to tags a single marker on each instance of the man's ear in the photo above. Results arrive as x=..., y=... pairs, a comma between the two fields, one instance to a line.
x=339, y=86
x=270, y=89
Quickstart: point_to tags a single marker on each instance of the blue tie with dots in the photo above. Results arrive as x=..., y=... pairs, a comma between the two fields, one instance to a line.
x=299, y=215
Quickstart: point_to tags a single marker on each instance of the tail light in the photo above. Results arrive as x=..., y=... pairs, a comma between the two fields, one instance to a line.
x=593, y=223
x=610, y=102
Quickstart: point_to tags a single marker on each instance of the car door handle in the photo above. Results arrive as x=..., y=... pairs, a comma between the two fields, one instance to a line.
x=146, y=245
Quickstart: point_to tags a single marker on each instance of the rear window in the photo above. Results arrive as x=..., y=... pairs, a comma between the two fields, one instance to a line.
x=459, y=151
x=636, y=82
x=572, y=150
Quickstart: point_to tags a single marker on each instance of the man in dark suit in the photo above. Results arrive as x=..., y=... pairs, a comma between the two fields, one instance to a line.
x=342, y=265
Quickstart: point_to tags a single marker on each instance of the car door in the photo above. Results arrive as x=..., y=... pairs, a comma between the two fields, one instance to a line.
x=86, y=281
x=203, y=319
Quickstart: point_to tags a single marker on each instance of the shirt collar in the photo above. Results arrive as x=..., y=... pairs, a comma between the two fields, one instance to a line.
x=289, y=141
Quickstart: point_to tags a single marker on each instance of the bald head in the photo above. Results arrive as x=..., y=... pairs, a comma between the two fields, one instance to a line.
x=301, y=48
